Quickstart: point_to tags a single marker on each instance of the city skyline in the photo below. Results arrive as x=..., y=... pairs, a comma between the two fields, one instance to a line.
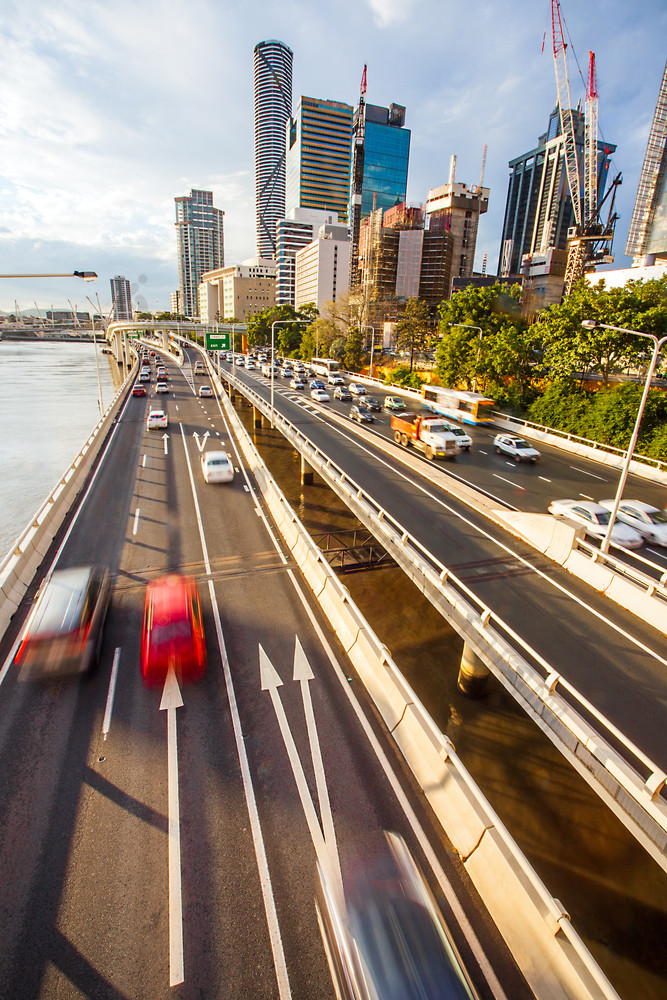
x=102, y=128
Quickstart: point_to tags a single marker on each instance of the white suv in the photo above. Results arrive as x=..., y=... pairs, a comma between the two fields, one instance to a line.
x=156, y=419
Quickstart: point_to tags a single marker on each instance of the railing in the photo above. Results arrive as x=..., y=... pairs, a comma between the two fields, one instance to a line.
x=621, y=772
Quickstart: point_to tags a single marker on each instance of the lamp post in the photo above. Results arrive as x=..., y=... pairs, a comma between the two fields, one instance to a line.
x=470, y=326
x=280, y=322
x=86, y=275
x=97, y=359
x=372, y=329
x=591, y=324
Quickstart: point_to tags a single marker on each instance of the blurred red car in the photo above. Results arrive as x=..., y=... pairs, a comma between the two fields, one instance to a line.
x=138, y=389
x=173, y=633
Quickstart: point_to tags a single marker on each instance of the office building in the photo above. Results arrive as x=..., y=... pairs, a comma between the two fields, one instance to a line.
x=647, y=236
x=175, y=303
x=238, y=291
x=455, y=208
x=293, y=234
x=319, y=149
x=201, y=244
x=121, y=298
x=538, y=211
x=322, y=269
x=273, y=107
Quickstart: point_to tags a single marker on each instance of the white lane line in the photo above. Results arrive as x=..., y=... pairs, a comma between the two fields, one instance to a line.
x=280, y=965
x=591, y=474
x=512, y=482
x=165, y=438
x=172, y=700
x=144, y=462
x=544, y=479
x=482, y=452
x=136, y=520
x=106, y=723
x=586, y=496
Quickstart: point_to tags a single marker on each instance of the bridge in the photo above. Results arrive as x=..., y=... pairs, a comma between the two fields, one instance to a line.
x=256, y=805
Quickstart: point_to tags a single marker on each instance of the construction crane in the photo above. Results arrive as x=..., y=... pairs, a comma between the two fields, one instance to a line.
x=358, y=132
x=589, y=240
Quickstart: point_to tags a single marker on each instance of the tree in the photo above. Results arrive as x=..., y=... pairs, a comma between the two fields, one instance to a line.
x=353, y=355
x=259, y=325
x=412, y=330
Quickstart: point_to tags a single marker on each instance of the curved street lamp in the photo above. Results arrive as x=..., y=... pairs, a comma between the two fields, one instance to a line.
x=591, y=324
x=86, y=275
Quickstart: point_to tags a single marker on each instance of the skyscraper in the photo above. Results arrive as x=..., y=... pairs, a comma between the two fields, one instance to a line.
x=319, y=147
x=201, y=244
x=455, y=208
x=121, y=298
x=648, y=228
x=292, y=234
x=273, y=107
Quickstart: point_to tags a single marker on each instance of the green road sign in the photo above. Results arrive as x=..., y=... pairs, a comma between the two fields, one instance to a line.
x=217, y=341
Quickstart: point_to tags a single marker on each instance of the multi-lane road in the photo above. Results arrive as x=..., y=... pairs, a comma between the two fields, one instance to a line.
x=116, y=884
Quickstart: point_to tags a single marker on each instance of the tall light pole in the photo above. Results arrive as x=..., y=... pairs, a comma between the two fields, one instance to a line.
x=97, y=359
x=470, y=326
x=591, y=324
x=372, y=329
x=86, y=275
x=280, y=322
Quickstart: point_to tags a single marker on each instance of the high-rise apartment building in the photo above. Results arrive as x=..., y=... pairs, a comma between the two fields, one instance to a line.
x=293, y=234
x=538, y=211
x=121, y=297
x=322, y=269
x=273, y=107
x=647, y=236
x=319, y=149
x=201, y=244
x=455, y=209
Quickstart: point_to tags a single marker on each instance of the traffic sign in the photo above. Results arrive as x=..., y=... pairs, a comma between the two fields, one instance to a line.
x=217, y=342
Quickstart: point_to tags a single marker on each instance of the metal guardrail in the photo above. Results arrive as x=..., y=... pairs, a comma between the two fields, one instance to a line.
x=629, y=781
x=650, y=585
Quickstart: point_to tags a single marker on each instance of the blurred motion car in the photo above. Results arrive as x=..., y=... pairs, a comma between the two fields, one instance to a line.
x=138, y=389
x=361, y=414
x=297, y=383
x=172, y=632
x=161, y=387
x=394, y=403
x=649, y=521
x=386, y=938
x=216, y=467
x=333, y=378
x=516, y=447
x=320, y=395
x=205, y=390
x=357, y=389
x=156, y=419
x=342, y=392
x=464, y=440
x=317, y=384
x=372, y=403
x=594, y=519
x=63, y=633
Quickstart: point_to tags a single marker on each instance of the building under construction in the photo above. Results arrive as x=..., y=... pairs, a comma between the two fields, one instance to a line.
x=647, y=236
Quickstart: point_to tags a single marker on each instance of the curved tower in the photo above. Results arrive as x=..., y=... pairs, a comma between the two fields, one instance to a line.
x=273, y=107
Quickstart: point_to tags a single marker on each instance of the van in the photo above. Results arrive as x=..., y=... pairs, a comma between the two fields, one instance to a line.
x=63, y=633
x=173, y=632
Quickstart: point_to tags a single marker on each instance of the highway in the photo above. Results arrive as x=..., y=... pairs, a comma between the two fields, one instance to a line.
x=111, y=885
x=617, y=661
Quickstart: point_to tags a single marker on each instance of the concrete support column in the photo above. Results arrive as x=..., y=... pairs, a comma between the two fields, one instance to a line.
x=257, y=419
x=473, y=674
x=306, y=473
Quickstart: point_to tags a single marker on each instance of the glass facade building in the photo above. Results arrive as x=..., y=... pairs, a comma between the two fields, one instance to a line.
x=319, y=149
x=273, y=107
x=386, y=156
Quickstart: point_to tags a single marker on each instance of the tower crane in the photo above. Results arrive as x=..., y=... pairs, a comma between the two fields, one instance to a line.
x=358, y=131
x=589, y=240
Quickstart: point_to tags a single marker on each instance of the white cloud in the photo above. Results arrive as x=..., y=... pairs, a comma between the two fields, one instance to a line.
x=388, y=12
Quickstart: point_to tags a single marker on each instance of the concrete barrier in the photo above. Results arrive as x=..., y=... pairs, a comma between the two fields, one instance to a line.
x=538, y=932
x=19, y=567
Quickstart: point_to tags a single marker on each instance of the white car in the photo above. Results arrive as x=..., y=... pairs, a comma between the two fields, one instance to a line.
x=205, y=390
x=335, y=379
x=650, y=522
x=320, y=395
x=595, y=519
x=216, y=467
x=297, y=383
x=156, y=419
x=516, y=447
x=250, y=366
x=464, y=440
x=357, y=389
x=161, y=387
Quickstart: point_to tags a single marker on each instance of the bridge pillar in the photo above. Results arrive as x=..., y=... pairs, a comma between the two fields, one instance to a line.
x=306, y=473
x=165, y=339
x=473, y=674
x=257, y=418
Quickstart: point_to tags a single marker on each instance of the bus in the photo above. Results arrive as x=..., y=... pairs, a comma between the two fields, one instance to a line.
x=325, y=366
x=468, y=407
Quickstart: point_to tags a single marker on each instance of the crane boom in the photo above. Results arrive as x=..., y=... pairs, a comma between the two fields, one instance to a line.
x=565, y=108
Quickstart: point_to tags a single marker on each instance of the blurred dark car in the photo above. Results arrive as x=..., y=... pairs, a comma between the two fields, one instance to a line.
x=63, y=633
x=361, y=414
x=388, y=939
x=372, y=403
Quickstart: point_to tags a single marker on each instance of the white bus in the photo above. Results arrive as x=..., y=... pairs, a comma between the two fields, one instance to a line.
x=468, y=407
x=325, y=366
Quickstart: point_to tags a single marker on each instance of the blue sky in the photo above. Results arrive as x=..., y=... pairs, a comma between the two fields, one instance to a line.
x=111, y=109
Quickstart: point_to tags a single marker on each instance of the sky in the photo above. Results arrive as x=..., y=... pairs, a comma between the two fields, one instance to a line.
x=111, y=108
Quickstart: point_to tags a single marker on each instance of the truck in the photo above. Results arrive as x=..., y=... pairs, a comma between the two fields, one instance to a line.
x=427, y=433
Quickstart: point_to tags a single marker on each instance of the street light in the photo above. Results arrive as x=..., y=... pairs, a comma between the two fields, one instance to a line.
x=280, y=322
x=470, y=326
x=372, y=329
x=591, y=324
x=86, y=275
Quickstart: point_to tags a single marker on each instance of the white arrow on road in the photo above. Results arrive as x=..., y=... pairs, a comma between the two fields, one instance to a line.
x=165, y=438
x=171, y=700
x=203, y=440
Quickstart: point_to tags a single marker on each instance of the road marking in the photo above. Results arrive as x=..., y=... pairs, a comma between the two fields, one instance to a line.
x=544, y=479
x=172, y=700
x=201, y=445
x=512, y=482
x=591, y=474
x=136, y=520
x=482, y=452
x=279, y=963
x=176, y=407
x=106, y=723
x=166, y=443
x=143, y=464
x=586, y=496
